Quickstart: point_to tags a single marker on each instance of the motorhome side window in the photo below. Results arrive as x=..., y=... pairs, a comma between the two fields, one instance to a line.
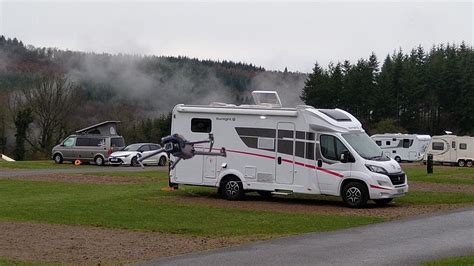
x=201, y=125
x=331, y=147
x=406, y=143
x=438, y=146
x=462, y=146
x=387, y=143
x=378, y=142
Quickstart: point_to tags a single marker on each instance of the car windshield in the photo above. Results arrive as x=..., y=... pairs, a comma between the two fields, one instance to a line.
x=132, y=147
x=364, y=146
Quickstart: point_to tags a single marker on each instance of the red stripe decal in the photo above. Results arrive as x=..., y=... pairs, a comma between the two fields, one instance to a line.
x=284, y=160
x=374, y=186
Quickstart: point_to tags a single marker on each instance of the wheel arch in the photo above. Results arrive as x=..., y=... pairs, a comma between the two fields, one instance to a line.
x=229, y=173
x=352, y=179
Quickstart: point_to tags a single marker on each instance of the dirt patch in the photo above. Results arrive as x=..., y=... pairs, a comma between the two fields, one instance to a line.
x=83, y=179
x=89, y=245
x=421, y=186
x=316, y=206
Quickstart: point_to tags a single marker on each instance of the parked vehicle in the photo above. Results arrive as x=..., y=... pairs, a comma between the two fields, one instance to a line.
x=276, y=150
x=403, y=147
x=91, y=144
x=130, y=155
x=452, y=149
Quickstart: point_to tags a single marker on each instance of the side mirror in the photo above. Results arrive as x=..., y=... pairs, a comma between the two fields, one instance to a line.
x=346, y=157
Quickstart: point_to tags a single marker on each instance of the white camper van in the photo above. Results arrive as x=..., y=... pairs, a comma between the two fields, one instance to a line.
x=403, y=147
x=452, y=149
x=276, y=150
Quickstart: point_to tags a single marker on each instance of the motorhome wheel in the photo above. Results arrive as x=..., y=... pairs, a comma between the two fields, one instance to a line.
x=461, y=163
x=355, y=194
x=232, y=188
x=469, y=163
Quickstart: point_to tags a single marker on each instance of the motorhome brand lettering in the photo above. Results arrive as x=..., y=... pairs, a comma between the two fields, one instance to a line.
x=225, y=119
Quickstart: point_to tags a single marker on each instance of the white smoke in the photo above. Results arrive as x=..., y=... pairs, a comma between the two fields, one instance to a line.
x=288, y=86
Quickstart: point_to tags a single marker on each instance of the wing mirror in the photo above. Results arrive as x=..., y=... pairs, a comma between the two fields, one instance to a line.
x=346, y=157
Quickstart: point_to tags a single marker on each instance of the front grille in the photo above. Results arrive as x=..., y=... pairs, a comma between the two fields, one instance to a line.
x=397, y=179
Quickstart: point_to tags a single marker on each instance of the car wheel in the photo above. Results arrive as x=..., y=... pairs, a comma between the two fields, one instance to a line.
x=58, y=158
x=355, y=194
x=469, y=163
x=265, y=194
x=232, y=188
x=398, y=159
x=382, y=202
x=162, y=161
x=135, y=162
x=99, y=160
x=461, y=163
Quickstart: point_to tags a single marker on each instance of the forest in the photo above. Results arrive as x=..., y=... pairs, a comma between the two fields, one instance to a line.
x=423, y=92
x=48, y=93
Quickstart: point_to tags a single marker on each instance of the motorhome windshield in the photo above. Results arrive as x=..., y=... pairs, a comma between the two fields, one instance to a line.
x=364, y=146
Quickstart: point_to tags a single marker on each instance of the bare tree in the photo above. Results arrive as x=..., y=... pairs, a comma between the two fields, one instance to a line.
x=52, y=100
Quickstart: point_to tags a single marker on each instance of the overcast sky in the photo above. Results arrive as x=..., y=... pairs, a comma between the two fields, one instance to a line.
x=274, y=35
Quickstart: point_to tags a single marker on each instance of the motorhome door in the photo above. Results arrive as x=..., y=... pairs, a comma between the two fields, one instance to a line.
x=285, y=153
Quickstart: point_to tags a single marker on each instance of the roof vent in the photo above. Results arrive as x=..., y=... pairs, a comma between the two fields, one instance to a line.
x=267, y=98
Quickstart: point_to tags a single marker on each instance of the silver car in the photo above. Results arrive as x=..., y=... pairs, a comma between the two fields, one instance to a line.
x=87, y=148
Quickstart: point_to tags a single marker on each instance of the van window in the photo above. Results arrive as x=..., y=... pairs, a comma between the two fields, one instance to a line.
x=69, y=142
x=117, y=142
x=406, y=143
x=437, y=146
x=462, y=146
x=82, y=142
x=201, y=125
x=378, y=142
x=331, y=147
x=96, y=142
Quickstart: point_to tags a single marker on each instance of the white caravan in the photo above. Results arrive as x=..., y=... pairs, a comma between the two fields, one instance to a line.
x=452, y=149
x=403, y=147
x=276, y=150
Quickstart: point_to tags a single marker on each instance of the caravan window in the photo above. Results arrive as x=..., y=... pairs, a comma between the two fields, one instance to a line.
x=201, y=125
x=406, y=143
x=437, y=146
x=387, y=143
x=453, y=144
x=462, y=146
x=378, y=142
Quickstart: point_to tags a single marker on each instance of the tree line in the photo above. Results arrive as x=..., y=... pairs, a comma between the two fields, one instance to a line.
x=415, y=92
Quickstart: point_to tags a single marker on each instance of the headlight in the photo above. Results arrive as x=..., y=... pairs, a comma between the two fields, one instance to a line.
x=376, y=169
x=384, y=183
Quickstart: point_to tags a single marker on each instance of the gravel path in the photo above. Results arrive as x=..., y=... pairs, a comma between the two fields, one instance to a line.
x=26, y=241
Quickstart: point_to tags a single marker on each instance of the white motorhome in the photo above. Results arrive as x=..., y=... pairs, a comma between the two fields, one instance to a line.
x=452, y=149
x=403, y=147
x=276, y=150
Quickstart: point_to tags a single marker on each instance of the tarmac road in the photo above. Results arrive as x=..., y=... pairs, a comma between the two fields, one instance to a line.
x=79, y=170
x=407, y=241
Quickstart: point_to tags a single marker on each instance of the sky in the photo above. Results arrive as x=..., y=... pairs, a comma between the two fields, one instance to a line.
x=270, y=34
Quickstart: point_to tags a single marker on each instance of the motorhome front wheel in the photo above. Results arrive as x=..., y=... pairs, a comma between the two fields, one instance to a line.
x=355, y=194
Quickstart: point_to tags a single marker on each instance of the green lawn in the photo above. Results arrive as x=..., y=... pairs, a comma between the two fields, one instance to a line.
x=10, y=262
x=162, y=175
x=465, y=260
x=146, y=207
x=45, y=164
x=443, y=175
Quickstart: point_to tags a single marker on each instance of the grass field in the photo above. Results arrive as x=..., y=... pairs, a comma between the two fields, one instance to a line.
x=464, y=260
x=441, y=175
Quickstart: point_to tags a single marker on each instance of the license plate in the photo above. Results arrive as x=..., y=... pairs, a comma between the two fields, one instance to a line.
x=113, y=160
